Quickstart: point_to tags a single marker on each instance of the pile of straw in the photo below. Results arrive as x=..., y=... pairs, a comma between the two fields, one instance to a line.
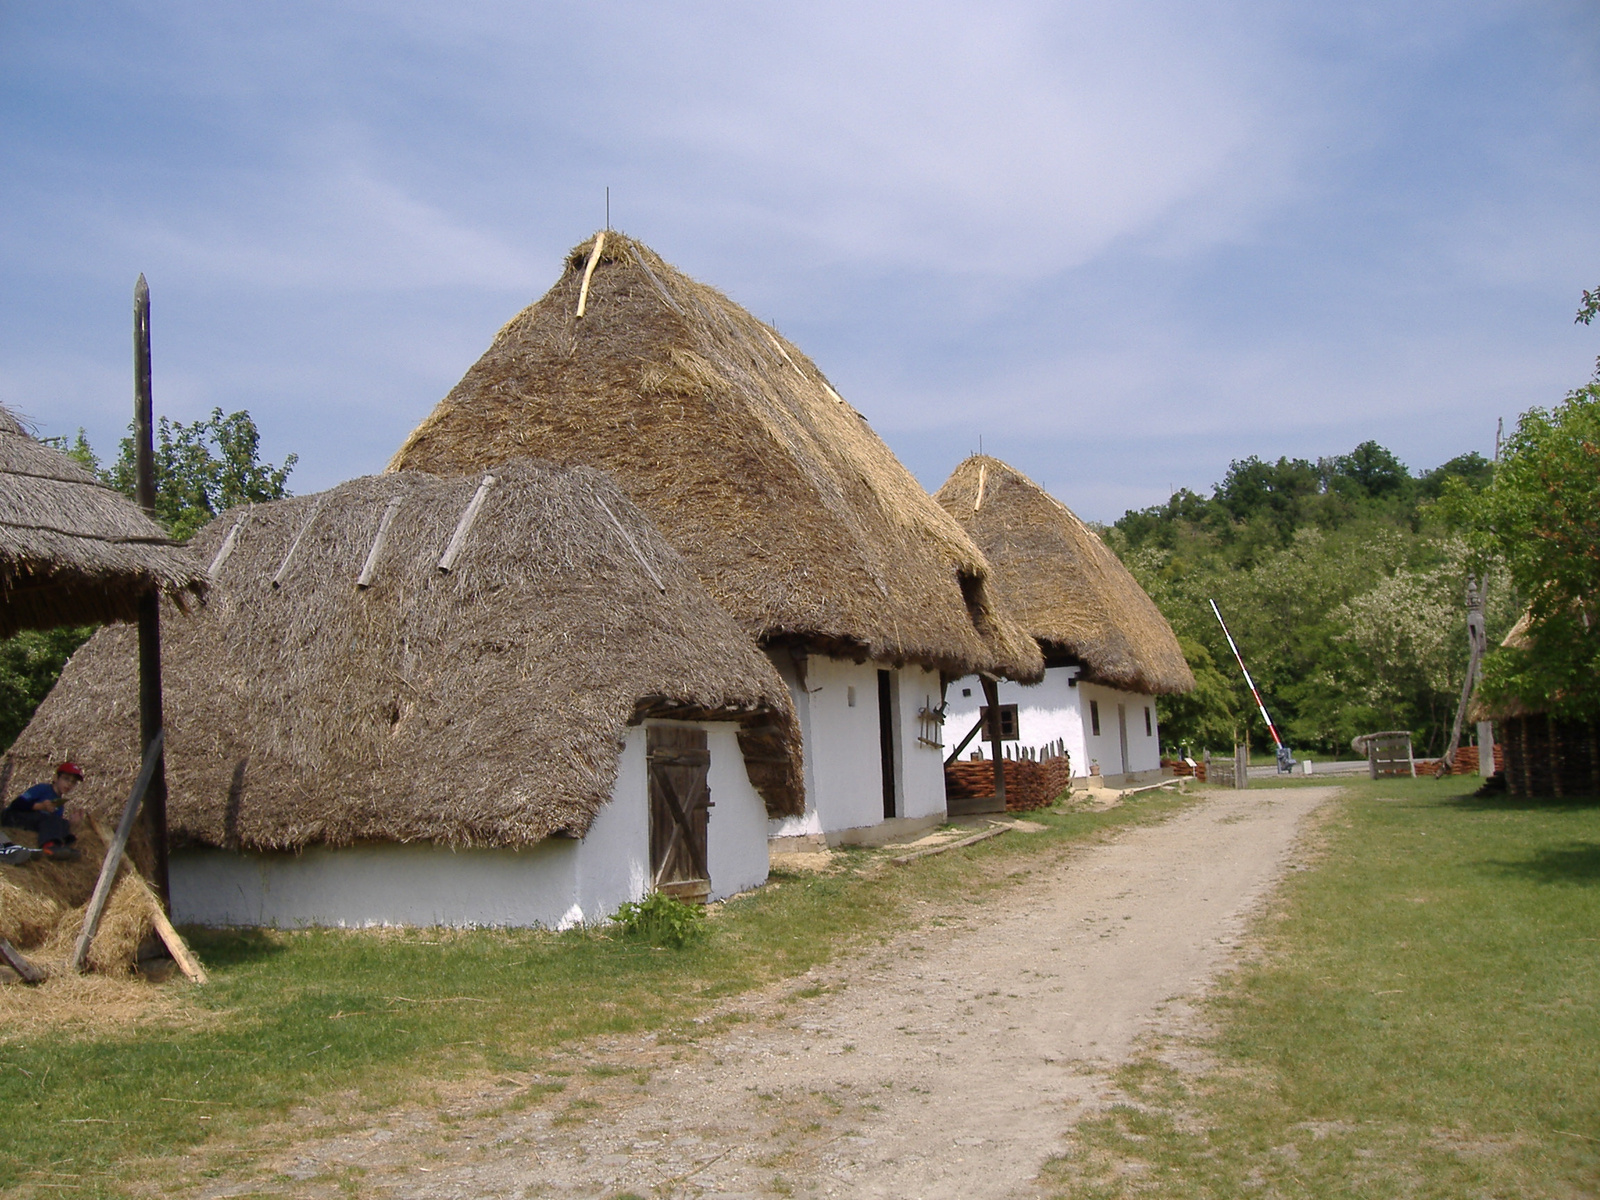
x=1062, y=583
x=485, y=705
x=798, y=519
x=73, y=552
x=42, y=907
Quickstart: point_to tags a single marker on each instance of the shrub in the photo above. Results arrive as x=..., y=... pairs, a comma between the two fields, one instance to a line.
x=661, y=920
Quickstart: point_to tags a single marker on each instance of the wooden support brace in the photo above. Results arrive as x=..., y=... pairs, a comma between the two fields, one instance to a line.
x=991, y=695
x=283, y=567
x=108, y=869
x=223, y=551
x=637, y=553
x=971, y=733
x=459, y=538
x=370, y=567
x=983, y=477
x=170, y=937
x=14, y=959
x=660, y=287
x=588, y=272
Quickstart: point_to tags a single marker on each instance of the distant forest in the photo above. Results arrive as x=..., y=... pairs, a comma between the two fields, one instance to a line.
x=1343, y=581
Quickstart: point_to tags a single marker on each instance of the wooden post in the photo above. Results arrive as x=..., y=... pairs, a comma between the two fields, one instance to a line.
x=991, y=696
x=119, y=842
x=1486, y=748
x=150, y=717
x=14, y=959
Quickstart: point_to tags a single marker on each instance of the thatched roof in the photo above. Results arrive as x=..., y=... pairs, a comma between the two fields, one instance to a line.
x=73, y=552
x=1065, y=587
x=480, y=706
x=799, y=520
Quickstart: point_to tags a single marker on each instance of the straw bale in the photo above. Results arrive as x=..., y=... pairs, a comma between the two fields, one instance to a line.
x=798, y=519
x=73, y=552
x=1062, y=583
x=124, y=926
x=484, y=706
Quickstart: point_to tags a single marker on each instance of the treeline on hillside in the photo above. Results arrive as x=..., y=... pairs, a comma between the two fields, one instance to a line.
x=1343, y=581
x=201, y=468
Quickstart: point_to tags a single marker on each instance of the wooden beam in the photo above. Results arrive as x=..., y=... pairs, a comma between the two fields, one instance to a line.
x=971, y=733
x=991, y=695
x=283, y=567
x=370, y=567
x=176, y=946
x=113, y=860
x=458, y=539
x=226, y=549
x=14, y=959
x=632, y=545
x=588, y=272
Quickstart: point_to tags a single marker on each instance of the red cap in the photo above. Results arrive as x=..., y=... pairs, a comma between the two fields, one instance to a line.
x=70, y=768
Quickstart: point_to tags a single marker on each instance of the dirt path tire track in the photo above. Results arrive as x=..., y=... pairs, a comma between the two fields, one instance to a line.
x=949, y=1064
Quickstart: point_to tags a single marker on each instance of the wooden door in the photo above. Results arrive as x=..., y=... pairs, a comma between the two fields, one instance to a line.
x=680, y=803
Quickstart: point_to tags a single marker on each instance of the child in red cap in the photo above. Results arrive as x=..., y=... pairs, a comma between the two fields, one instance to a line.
x=41, y=809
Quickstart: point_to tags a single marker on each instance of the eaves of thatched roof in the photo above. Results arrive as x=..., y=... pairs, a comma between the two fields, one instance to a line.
x=798, y=519
x=73, y=552
x=1062, y=583
x=339, y=686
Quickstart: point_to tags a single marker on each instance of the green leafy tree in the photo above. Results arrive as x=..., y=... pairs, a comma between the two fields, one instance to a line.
x=1541, y=518
x=202, y=468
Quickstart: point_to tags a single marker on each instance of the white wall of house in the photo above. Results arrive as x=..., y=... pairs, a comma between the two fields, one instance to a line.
x=838, y=710
x=558, y=883
x=1059, y=708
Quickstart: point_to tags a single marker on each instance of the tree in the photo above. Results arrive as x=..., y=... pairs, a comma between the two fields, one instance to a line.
x=1540, y=516
x=193, y=484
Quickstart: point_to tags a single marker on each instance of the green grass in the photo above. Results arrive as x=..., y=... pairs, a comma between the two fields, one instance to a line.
x=1422, y=1021
x=316, y=1016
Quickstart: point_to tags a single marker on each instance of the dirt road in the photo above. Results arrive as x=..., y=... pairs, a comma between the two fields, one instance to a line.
x=948, y=1064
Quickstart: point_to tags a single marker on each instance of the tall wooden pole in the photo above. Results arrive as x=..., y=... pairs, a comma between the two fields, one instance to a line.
x=991, y=695
x=150, y=717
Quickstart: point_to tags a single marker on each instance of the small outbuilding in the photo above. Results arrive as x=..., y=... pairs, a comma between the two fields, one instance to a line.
x=798, y=519
x=1108, y=651
x=501, y=699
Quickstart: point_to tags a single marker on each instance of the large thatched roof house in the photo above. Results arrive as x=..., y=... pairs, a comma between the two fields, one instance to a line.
x=72, y=551
x=797, y=518
x=1108, y=649
x=416, y=699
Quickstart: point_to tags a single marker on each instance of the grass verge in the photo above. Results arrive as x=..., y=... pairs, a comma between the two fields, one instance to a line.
x=379, y=1017
x=1420, y=1020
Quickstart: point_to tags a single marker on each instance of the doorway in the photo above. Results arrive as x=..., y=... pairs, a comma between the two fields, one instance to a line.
x=1122, y=734
x=886, y=740
x=680, y=803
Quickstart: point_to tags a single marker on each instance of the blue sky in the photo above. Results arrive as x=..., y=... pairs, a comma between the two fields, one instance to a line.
x=1123, y=243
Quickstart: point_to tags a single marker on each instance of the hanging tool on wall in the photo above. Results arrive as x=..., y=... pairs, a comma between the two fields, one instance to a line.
x=1285, y=758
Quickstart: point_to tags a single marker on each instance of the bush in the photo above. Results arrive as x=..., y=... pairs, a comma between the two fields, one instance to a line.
x=661, y=920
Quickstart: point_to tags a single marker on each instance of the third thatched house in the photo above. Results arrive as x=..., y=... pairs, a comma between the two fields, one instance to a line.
x=798, y=519
x=1108, y=650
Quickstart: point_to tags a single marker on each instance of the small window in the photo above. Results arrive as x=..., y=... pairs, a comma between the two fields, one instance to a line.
x=1094, y=717
x=966, y=691
x=1147, y=730
x=850, y=697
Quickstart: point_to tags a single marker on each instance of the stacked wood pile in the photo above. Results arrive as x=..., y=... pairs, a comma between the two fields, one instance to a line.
x=1465, y=763
x=1179, y=768
x=1029, y=784
x=1545, y=756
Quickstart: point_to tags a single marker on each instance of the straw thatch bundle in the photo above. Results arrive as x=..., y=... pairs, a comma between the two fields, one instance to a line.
x=480, y=706
x=798, y=519
x=73, y=552
x=1063, y=584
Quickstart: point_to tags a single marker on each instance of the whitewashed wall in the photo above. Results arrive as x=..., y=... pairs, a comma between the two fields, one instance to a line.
x=838, y=710
x=1054, y=708
x=558, y=883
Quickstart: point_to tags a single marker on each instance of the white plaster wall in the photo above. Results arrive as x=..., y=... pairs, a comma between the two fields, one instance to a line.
x=1046, y=711
x=807, y=822
x=1144, y=750
x=736, y=835
x=921, y=782
x=1053, y=709
x=558, y=883
x=847, y=782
